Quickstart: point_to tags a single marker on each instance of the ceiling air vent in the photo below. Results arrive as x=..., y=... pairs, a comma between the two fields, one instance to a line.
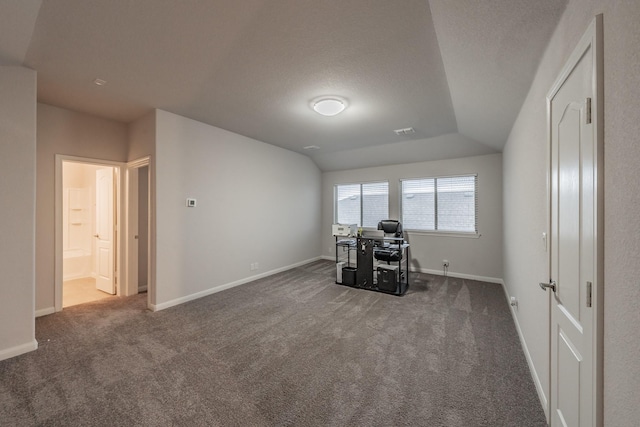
x=405, y=131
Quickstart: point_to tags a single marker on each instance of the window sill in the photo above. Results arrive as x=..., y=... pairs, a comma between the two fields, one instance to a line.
x=443, y=234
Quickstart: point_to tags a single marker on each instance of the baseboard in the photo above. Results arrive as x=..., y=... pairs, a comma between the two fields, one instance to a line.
x=459, y=275
x=142, y=288
x=45, y=311
x=191, y=297
x=544, y=401
x=18, y=350
x=441, y=273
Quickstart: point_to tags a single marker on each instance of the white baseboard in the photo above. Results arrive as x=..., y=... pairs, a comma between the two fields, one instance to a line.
x=187, y=298
x=544, y=401
x=18, y=350
x=45, y=311
x=459, y=275
x=142, y=288
x=441, y=273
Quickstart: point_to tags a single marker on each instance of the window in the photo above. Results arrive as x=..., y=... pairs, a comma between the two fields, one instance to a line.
x=440, y=204
x=362, y=204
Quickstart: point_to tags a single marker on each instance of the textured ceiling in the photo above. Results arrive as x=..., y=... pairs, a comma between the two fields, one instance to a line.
x=455, y=71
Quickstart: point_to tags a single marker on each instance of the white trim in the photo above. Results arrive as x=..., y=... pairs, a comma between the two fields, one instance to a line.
x=197, y=295
x=18, y=350
x=458, y=275
x=45, y=311
x=544, y=401
x=119, y=169
x=435, y=233
x=139, y=163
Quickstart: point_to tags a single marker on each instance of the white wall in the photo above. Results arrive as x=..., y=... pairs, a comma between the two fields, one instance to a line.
x=469, y=257
x=525, y=216
x=62, y=131
x=17, y=207
x=256, y=203
x=142, y=137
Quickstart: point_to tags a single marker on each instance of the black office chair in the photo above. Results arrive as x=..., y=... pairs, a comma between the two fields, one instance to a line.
x=389, y=253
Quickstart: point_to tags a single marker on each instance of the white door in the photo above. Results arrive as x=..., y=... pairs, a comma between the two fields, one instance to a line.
x=575, y=238
x=104, y=231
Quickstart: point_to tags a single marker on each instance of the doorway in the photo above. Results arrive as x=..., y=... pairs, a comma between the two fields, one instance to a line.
x=138, y=257
x=576, y=259
x=87, y=219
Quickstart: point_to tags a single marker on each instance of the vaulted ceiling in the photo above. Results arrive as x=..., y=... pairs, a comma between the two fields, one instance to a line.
x=457, y=71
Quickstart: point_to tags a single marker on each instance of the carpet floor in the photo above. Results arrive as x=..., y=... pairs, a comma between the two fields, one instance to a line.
x=292, y=349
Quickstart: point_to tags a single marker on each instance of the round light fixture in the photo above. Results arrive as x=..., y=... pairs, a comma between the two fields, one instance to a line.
x=329, y=105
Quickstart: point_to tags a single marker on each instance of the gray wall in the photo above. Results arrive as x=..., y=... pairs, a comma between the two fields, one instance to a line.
x=17, y=210
x=61, y=131
x=256, y=203
x=469, y=257
x=525, y=214
x=142, y=137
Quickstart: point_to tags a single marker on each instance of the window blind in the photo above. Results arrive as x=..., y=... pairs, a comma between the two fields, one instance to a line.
x=362, y=204
x=440, y=204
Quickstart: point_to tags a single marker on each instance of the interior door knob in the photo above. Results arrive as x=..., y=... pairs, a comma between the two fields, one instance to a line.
x=96, y=235
x=551, y=285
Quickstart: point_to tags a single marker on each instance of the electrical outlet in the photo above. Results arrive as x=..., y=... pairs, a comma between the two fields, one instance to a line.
x=445, y=263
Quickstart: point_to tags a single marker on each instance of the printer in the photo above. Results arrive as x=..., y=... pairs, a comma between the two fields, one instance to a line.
x=344, y=230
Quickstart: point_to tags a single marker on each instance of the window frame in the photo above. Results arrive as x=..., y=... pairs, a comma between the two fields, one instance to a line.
x=360, y=184
x=449, y=233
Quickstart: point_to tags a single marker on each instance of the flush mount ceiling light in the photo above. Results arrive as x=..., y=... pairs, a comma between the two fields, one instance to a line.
x=329, y=105
x=100, y=82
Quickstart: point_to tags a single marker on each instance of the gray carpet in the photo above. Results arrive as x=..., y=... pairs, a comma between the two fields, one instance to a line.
x=293, y=349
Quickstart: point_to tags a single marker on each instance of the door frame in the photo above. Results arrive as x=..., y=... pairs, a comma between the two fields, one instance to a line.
x=592, y=38
x=58, y=234
x=131, y=256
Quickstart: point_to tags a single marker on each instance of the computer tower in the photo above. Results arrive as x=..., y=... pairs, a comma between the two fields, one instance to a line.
x=388, y=278
x=364, y=276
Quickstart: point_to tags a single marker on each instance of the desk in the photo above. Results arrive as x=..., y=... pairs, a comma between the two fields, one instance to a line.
x=389, y=278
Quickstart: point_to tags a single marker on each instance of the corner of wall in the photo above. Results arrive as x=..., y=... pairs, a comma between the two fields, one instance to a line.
x=18, y=210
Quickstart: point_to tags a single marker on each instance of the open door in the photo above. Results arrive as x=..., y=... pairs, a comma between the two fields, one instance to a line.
x=576, y=238
x=105, y=231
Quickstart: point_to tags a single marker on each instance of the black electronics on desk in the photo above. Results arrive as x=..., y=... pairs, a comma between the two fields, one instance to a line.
x=378, y=260
x=364, y=274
